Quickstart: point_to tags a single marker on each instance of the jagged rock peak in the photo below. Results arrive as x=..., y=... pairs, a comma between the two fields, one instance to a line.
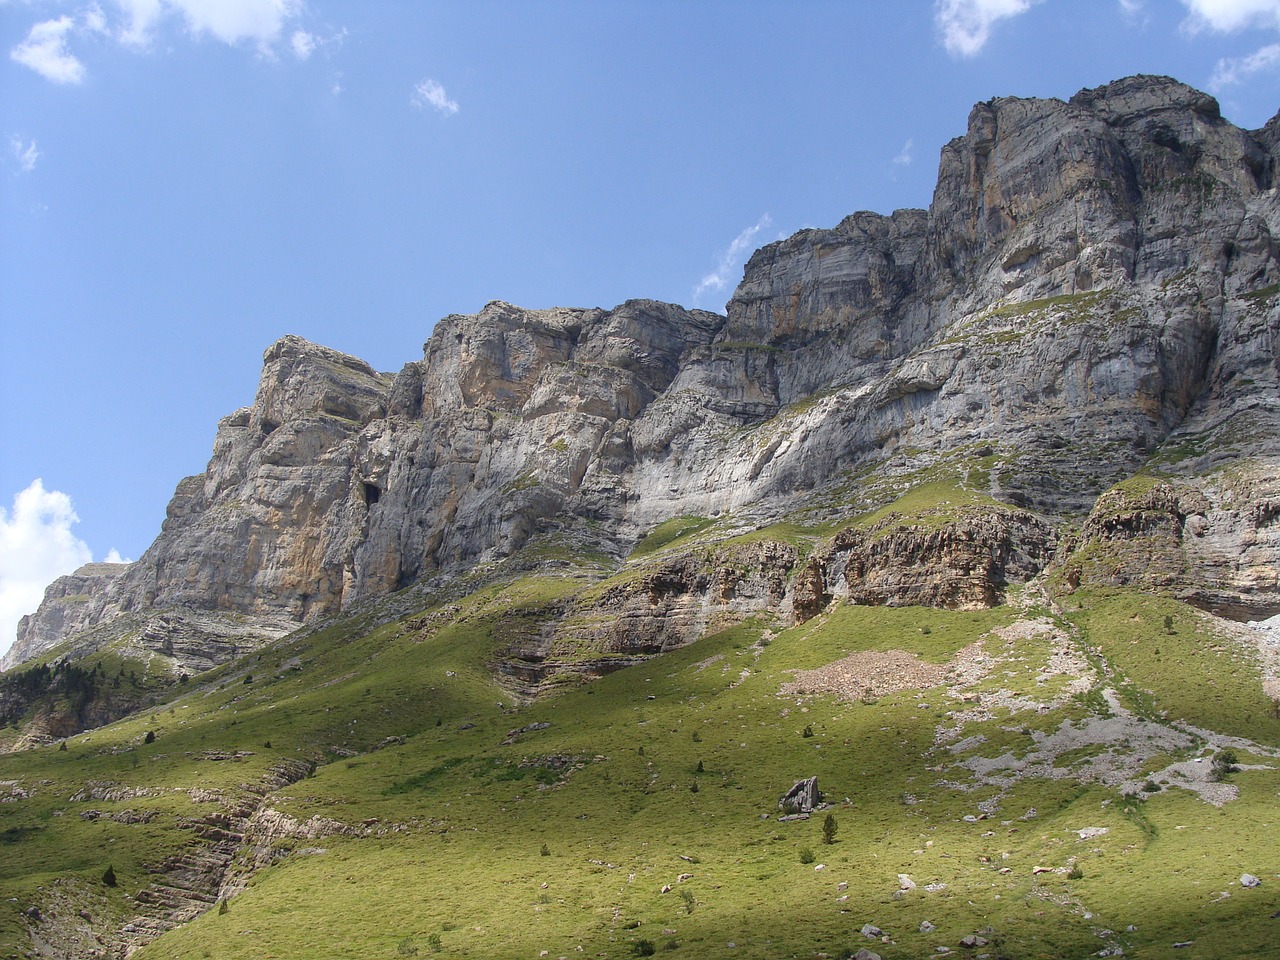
x=293, y=348
x=1122, y=101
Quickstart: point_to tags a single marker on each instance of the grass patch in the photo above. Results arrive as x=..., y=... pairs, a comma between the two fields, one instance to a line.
x=669, y=532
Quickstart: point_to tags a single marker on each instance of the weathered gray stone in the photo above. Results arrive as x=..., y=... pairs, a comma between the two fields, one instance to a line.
x=801, y=798
x=1093, y=282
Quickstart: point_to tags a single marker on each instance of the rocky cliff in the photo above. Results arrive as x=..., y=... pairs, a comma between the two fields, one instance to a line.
x=1093, y=292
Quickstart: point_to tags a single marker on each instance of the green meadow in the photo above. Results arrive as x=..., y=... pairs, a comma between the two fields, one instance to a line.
x=640, y=812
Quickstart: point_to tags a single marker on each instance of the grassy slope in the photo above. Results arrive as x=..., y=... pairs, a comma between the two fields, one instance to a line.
x=468, y=868
x=455, y=858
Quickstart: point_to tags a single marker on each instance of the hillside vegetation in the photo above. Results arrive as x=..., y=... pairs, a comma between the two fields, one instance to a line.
x=1038, y=775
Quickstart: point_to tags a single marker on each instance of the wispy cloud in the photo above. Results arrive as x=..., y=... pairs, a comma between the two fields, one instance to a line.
x=903, y=159
x=966, y=24
x=36, y=547
x=1234, y=70
x=1228, y=16
x=304, y=43
x=25, y=152
x=232, y=21
x=45, y=51
x=142, y=16
x=135, y=24
x=730, y=262
x=429, y=93
x=1135, y=12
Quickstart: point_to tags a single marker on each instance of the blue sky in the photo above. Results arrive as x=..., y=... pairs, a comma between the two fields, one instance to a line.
x=185, y=181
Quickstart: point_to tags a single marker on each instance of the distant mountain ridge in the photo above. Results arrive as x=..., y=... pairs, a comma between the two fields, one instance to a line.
x=1092, y=291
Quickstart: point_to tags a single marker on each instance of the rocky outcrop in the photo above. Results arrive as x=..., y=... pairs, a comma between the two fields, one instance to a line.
x=64, y=610
x=213, y=866
x=1094, y=283
x=667, y=604
x=937, y=559
x=802, y=798
x=1212, y=541
x=961, y=563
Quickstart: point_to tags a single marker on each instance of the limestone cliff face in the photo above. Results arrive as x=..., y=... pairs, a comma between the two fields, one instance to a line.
x=1094, y=283
x=66, y=609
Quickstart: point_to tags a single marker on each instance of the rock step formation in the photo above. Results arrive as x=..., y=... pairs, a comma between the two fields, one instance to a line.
x=203, y=872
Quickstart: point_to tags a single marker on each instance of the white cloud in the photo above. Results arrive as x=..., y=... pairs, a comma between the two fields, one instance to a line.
x=1134, y=11
x=134, y=23
x=903, y=159
x=24, y=152
x=36, y=547
x=1234, y=70
x=966, y=24
x=303, y=44
x=232, y=21
x=429, y=93
x=142, y=16
x=45, y=51
x=93, y=19
x=1228, y=16
x=113, y=556
x=730, y=261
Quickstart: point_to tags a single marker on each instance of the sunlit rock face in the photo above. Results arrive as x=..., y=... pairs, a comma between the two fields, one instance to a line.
x=1093, y=286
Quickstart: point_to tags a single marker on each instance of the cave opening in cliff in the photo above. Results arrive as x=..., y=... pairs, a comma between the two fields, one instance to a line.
x=372, y=493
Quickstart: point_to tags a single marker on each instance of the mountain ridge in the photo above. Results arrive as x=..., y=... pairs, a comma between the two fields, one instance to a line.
x=1081, y=280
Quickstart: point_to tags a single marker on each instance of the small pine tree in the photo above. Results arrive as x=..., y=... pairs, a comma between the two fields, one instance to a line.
x=1168, y=623
x=829, y=828
x=62, y=745
x=689, y=901
x=222, y=907
x=109, y=876
x=700, y=770
x=545, y=851
x=808, y=730
x=1224, y=763
x=693, y=787
x=150, y=737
